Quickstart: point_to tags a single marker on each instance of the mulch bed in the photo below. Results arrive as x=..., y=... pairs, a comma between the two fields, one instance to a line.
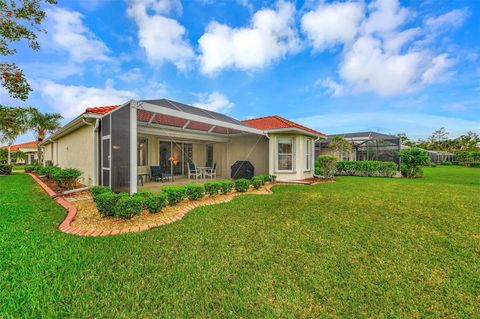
x=53, y=185
x=88, y=217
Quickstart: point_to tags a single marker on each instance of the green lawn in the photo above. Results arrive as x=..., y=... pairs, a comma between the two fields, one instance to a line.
x=361, y=247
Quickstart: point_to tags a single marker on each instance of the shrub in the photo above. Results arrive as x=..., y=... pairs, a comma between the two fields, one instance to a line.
x=326, y=166
x=446, y=163
x=30, y=169
x=212, y=188
x=67, y=177
x=156, y=202
x=128, y=206
x=272, y=178
x=143, y=195
x=257, y=182
x=106, y=203
x=194, y=191
x=226, y=186
x=51, y=171
x=242, y=185
x=5, y=169
x=97, y=190
x=474, y=164
x=175, y=194
x=412, y=160
x=366, y=168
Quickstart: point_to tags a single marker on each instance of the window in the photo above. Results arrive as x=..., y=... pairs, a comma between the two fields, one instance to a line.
x=209, y=156
x=308, y=154
x=285, y=154
x=142, y=152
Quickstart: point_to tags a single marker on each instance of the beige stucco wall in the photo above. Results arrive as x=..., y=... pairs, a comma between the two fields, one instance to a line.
x=74, y=150
x=252, y=148
x=300, y=171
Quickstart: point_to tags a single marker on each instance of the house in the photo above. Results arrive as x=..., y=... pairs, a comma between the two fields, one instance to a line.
x=364, y=146
x=28, y=148
x=114, y=145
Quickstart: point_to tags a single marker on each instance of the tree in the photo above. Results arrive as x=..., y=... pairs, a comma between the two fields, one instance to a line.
x=339, y=145
x=14, y=121
x=19, y=20
x=404, y=140
x=412, y=160
x=43, y=123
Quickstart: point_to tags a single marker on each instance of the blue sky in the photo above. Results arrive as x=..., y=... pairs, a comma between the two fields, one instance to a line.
x=337, y=67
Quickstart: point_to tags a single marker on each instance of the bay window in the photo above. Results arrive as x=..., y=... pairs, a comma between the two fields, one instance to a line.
x=285, y=160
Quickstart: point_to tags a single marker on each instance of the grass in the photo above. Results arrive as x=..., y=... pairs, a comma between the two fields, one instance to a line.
x=361, y=247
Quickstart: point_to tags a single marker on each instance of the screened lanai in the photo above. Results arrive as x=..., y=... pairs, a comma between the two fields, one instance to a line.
x=370, y=146
x=167, y=134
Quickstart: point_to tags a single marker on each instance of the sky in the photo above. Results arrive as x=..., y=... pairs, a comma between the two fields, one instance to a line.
x=345, y=66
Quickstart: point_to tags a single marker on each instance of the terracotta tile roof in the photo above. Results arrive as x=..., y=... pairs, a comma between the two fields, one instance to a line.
x=277, y=122
x=16, y=147
x=102, y=110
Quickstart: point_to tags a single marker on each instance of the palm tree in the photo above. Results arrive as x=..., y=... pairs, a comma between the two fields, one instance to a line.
x=43, y=123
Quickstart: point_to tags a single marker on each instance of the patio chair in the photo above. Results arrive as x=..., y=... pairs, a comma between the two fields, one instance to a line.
x=193, y=171
x=211, y=172
x=157, y=175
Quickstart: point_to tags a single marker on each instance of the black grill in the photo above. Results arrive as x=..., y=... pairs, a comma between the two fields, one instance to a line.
x=242, y=169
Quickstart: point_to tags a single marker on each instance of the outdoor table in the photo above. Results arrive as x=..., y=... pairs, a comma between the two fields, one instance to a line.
x=202, y=169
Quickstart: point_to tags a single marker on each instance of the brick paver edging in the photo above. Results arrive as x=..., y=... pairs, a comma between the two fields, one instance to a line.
x=67, y=228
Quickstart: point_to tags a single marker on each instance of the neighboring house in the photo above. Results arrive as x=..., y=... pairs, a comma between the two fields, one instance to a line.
x=440, y=156
x=364, y=146
x=115, y=144
x=30, y=150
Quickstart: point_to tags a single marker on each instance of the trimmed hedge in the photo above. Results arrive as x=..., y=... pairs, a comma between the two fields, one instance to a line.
x=67, y=177
x=175, y=194
x=259, y=181
x=106, y=203
x=194, y=191
x=474, y=164
x=156, y=202
x=212, y=188
x=5, y=169
x=226, y=186
x=366, y=168
x=242, y=185
x=128, y=206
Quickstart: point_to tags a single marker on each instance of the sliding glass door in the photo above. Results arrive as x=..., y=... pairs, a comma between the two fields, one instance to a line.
x=174, y=157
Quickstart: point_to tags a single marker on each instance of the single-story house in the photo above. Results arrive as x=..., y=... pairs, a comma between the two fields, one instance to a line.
x=114, y=145
x=440, y=156
x=28, y=148
x=365, y=146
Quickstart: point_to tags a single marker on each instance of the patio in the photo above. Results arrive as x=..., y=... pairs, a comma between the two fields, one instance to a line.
x=178, y=181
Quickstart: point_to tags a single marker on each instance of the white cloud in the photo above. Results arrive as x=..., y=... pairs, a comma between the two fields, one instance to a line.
x=332, y=87
x=270, y=36
x=331, y=24
x=416, y=125
x=162, y=38
x=379, y=54
x=437, y=70
x=214, y=101
x=131, y=76
x=72, y=100
x=68, y=33
x=454, y=18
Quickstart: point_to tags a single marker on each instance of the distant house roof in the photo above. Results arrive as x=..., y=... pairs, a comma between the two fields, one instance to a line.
x=277, y=122
x=359, y=137
x=16, y=147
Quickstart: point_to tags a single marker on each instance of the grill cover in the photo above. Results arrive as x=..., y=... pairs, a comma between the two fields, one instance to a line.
x=242, y=169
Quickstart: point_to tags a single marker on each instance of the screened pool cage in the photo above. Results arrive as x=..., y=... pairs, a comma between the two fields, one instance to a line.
x=118, y=133
x=366, y=146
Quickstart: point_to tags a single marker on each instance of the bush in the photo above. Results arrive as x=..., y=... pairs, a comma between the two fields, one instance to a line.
x=366, y=168
x=446, y=163
x=226, y=186
x=194, y=191
x=272, y=178
x=128, y=206
x=326, y=166
x=143, y=195
x=175, y=194
x=474, y=164
x=156, y=202
x=67, y=177
x=106, y=203
x=259, y=181
x=212, y=188
x=51, y=171
x=5, y=169
x=30, y=169
x=242, y=185
x=98, y=190
x=412, y=160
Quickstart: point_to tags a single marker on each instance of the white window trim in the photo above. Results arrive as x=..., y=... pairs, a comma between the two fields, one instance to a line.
x=277, y=170
x=309, y=155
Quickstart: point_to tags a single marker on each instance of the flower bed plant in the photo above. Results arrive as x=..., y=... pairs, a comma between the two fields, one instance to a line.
x=226, y=186
x=175, y=194
x=156, y=202
x=242, y=185
x=194, y=191
x=212, y=188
